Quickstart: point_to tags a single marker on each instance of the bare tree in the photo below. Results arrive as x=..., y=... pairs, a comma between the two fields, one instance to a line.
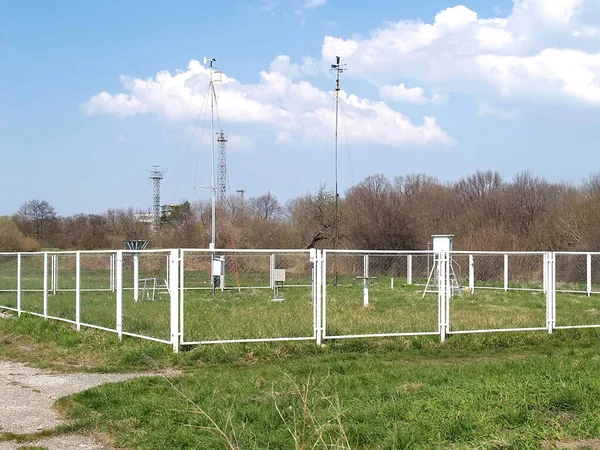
x=265, y=207
x=479, y=185
x=38, y=214
x=375, y=216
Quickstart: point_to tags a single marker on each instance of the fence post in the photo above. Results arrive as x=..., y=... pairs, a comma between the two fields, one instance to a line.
x=440, y=261
x=589, y=274
x=19, y=284
x=324, y=295
x=46, y=285
x=78, y=290
x=119, y=279
x=545, y=273
x=471, y=274
x=111, y=273
x=174, y=296
x=271, y=271
x=53, y=277
x=319, y=259
x=366, y=280
x=505, y=272
x=408, y=269
x=136, y=276
x=181, y=294
x=551, y=292
x=313, y=256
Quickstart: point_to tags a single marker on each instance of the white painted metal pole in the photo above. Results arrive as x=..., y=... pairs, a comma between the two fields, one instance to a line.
x=78, y=290
x=545, y=273
x=319, y=259
x=56, y=260
x=550, y=309
x=409, y=274
x=441, y=278
x=174, y=294
x=448, y=294
x=366, y=280
x=471, y=274
x=45, y=285
x=136, y=276
x=119, y=287
x=324, y=296
x=505, y=272
x=222, y=276
x=392, y=283
x=181, y=294
x=18, y=284
x=111, y=273
x=589, y=274
x=272, y=271
x=53, y=278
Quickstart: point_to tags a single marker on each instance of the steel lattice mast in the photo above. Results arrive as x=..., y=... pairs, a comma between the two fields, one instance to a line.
x=222, y=168
x=156, y=175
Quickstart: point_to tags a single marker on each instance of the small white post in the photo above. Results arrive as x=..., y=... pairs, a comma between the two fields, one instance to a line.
x=505, y=272
x=136, y=276
x=272, y=271
x=111, y=273
x=53, y=274
x=56, y=265
x=181, y=294
x=119, y=287
x=174, y=297
x=317, y=300
x=589, y=274
x=366, y=280
x=408, y=269
x=545, y=273
x=471, y=274
x=45, y=285
x=550, y=293
x=222, y=277
x=78, y=290
x=19, y=284
x=324, y=294
x=441, y=276
x=392, y=284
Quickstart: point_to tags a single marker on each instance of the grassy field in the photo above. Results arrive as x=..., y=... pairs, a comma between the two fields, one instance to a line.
x=249, y=312
x=504, y=390
x=511, y=390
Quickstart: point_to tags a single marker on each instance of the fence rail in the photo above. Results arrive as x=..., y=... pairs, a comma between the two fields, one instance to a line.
x=202, y=296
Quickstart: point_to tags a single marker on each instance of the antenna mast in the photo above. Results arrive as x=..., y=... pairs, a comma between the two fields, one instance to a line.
x=339, y=68
x=156, y=175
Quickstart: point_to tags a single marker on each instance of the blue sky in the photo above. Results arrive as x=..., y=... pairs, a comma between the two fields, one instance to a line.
x=92, y=93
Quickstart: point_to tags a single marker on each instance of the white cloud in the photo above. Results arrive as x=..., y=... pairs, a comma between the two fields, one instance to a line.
x=544, y=49
x=288, y=110
x=485, y=110
x=416, y=95
x=313, y=4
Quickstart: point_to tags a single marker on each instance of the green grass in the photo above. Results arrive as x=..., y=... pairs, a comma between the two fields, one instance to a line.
x=511, y=390
x=358, y=400
x=249, y=312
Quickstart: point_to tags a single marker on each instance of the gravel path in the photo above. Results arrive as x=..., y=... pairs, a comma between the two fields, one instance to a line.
x=27, y=396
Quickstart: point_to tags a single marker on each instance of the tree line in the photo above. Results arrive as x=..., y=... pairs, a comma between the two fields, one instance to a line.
x=482, y=210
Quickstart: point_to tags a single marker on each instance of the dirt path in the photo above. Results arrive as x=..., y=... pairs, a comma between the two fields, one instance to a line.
x=27, y=396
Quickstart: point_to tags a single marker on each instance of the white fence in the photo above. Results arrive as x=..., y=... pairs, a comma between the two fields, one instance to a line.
x=198, y=296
